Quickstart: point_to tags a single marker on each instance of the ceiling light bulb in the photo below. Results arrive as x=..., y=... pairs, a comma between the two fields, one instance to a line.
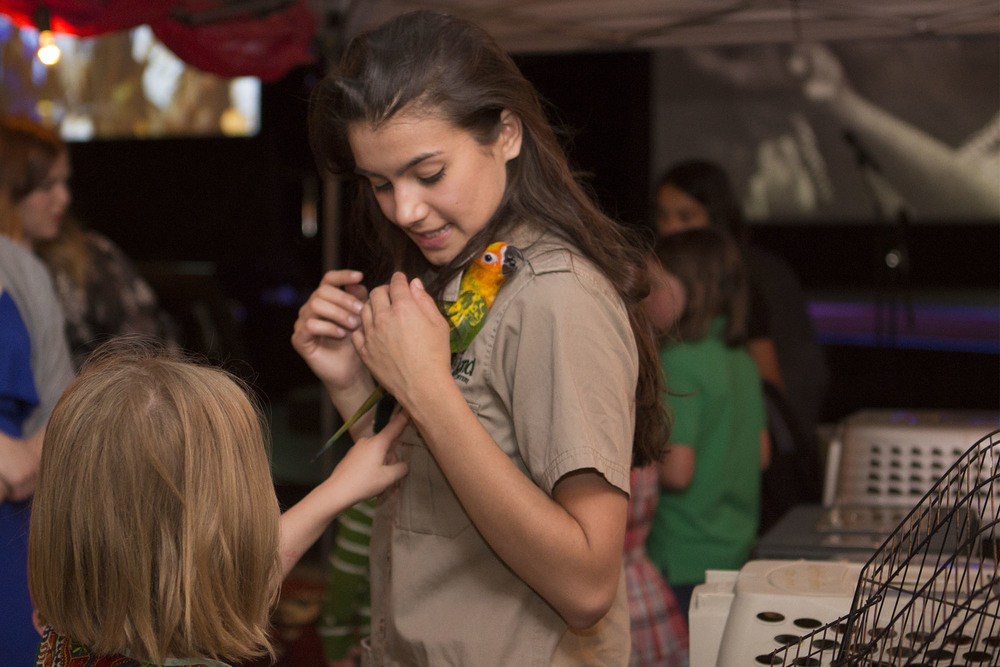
x=48, y=52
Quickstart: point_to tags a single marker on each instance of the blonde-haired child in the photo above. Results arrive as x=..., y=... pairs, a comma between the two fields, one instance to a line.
x=156, y=534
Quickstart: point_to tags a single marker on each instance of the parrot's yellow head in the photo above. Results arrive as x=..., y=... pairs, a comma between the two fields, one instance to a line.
x=488, y=272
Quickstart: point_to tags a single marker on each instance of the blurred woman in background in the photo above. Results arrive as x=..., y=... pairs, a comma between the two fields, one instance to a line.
x=101, y=293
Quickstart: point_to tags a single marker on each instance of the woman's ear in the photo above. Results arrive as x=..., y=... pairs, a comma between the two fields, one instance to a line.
x=510, y=135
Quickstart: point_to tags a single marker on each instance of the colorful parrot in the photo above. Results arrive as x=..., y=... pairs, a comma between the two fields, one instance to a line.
x=480, y=283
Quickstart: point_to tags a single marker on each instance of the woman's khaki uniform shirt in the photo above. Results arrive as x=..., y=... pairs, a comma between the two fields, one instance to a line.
x=552, y=378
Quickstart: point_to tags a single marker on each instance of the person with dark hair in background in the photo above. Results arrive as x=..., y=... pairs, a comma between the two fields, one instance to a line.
x=504, y=544
x=101, y=293
x=34, y=369
x=781, y=337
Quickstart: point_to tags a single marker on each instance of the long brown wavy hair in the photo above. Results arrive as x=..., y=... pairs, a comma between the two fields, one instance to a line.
x=456, y=71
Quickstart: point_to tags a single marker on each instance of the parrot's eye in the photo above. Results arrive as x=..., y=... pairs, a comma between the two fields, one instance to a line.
x=489, y=258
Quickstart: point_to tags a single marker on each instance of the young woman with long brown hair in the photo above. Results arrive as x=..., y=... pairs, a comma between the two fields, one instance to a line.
x=504, y=544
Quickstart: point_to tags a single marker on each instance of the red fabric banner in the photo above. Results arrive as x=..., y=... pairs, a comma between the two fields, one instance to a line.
x=265, y=44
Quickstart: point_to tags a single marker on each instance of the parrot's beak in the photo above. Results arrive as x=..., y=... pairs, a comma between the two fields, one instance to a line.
x=512, y=258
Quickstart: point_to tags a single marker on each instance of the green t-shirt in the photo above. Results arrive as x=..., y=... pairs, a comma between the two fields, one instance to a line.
x=717, y=404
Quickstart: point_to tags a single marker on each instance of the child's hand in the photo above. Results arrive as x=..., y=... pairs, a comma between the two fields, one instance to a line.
x=368, y=467
x=365, y=471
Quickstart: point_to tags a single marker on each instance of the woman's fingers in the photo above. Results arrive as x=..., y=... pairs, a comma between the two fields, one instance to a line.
x=380, y=298
x=402, y=340
x=333, y=308
x=399, y=288
x=342, y=278
x=383, y=300
x=359, y=292
x=424, y=300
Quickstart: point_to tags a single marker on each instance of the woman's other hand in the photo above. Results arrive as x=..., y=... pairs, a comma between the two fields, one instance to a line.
x=404, y=340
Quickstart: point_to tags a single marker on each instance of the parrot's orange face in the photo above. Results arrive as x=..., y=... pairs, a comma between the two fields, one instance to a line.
x=489, y=271
x=492, y=259
x=499, y=257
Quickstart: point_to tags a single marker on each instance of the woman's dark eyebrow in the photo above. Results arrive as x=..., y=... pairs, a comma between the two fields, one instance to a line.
x=402, y=170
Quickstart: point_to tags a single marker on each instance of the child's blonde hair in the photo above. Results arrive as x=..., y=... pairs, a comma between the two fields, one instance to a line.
x=154, y=528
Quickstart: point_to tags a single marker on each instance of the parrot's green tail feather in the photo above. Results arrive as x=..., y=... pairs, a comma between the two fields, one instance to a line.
x=358, y=414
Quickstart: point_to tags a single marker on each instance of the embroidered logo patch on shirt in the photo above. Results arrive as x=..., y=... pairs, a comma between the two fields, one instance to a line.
x=462, y=370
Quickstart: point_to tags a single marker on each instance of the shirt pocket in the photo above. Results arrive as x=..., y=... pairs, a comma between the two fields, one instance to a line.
x=427, y=503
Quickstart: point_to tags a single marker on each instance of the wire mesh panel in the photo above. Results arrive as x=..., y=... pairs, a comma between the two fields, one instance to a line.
x=930, y=596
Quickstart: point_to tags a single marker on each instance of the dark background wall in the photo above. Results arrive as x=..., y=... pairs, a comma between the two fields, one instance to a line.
x=602, y=102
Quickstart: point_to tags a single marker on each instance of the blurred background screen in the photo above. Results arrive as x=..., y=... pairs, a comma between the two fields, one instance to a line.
x=121, y=85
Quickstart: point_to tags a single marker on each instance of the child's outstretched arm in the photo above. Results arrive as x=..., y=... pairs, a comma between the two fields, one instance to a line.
x=362, y=473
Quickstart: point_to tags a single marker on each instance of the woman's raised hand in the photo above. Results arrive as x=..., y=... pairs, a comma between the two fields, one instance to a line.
x=322, y=333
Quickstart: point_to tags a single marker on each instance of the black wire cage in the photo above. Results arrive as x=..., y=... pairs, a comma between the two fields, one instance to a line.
x=930, y=595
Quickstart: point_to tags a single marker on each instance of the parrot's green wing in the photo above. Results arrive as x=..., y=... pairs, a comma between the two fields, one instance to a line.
x=465, y=319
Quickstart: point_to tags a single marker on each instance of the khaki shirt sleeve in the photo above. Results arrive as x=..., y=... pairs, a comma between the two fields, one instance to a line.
x=570, y=376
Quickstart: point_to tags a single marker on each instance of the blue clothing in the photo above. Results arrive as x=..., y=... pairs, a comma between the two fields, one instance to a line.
x=18, y=396
x=18, y=636
x=718, y=410
x=17, y=399
x=34, y=370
